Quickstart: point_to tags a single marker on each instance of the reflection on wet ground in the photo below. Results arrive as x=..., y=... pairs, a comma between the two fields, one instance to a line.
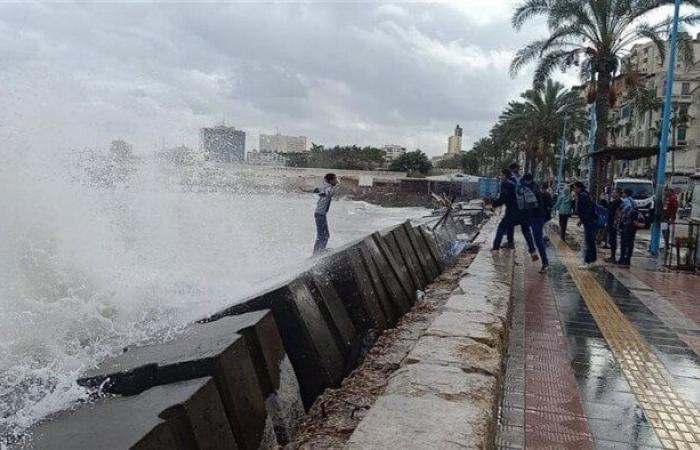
x=566, y=386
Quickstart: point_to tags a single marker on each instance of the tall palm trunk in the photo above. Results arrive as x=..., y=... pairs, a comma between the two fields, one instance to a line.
x=601, y=112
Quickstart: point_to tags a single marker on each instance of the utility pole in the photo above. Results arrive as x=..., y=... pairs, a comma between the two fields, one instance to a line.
x=663, y=145
x=560, y=179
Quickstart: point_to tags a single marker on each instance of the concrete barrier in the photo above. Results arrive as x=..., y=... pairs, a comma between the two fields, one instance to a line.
x=179, y=416
x=209, y=349
x=446, y=392
x=270, y=356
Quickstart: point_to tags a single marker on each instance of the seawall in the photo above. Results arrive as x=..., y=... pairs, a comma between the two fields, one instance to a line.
x=244, y=377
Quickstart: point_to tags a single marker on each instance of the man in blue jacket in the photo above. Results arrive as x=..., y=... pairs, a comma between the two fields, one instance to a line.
x=585, y=209
x=514, y=216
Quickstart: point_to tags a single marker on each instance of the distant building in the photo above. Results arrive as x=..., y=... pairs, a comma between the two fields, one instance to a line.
x=454, y=143
x=223, y=143
x=181, y=155
x=279, y=143
x=393, y=152
x=257, y=158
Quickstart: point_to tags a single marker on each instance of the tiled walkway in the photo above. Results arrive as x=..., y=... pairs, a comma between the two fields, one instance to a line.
x=591, y=366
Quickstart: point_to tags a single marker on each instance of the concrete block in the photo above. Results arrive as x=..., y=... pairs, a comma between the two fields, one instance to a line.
x=482, y=327
x=355, y=288
x=409, y=257
x=428, y=406
x=430, y=268
x=495, y=303
x=178, y=416
x=209, y=349
x=332, y=306
x=397, y=265
x=389, y=277
x=388, y=307
x=393, y=245
x=464, y=353
x=430, y=242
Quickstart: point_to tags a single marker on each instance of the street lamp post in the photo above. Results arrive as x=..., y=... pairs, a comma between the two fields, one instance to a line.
x=663, y=145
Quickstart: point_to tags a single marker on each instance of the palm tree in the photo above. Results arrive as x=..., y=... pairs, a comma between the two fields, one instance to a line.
x=593, y=35
x=535, y=122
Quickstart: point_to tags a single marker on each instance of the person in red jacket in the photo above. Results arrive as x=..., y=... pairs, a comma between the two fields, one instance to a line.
x=669, y=212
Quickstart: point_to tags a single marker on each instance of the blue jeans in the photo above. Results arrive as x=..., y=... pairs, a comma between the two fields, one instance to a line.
x=322, y=233
x=537, y=226
x=589, y=232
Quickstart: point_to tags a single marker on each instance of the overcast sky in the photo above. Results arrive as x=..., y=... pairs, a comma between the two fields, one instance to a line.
x=76, y=75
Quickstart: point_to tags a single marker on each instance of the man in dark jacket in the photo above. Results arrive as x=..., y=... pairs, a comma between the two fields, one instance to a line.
x=585, y=209
x=629, y=218
x=513, y=217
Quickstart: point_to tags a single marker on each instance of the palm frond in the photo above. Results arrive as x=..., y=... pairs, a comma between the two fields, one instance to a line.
x=527, y=11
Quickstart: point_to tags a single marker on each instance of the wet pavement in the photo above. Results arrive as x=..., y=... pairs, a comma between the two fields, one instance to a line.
x=601, y=359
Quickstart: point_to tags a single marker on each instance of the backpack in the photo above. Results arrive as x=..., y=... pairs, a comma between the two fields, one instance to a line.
x=526, y=198
x=601, y=216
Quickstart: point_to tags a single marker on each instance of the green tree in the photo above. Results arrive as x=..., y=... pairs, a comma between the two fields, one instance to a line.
x=470, y=163
x=453, y=162
x=592, y=35
x=412, y=162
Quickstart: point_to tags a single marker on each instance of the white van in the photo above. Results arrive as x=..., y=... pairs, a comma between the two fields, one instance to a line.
x=642, y=194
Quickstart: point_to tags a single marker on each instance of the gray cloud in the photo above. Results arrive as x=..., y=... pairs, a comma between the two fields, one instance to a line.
x=77, y=74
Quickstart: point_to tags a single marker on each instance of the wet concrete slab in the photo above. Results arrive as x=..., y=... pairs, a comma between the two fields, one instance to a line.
x=178, y=416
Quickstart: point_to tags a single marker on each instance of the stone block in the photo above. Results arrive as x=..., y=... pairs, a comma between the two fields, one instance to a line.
x=393, y=245
x=332, y=306
x=388, y=306
x=388, y=274
x=208, y=349
x=496, y=303
x=409, y=257
x=429, y=240
x=398, y=267
x=464, y=353
x=354, y=285
x=179, y=416
x=428, y=406
x=430, y=268
x=482, y=327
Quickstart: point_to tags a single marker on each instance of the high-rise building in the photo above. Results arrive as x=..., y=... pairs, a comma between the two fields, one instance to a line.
x=393, y=152
x=454, y=143
x=279, y=143
x=221, y=143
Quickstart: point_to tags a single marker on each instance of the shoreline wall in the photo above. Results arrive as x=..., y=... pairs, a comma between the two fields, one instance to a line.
x=244, y=376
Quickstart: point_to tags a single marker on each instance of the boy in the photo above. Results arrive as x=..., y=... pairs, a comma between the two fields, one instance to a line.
x=325, y=195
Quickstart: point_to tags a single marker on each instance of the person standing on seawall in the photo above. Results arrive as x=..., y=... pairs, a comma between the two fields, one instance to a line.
x=586, y=211
x=564, y=207
x=629, y=223
x=325, y=192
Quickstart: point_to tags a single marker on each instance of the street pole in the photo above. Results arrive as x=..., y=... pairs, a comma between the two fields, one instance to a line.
x=560, y=179
x=663, y=145
x=591, y=142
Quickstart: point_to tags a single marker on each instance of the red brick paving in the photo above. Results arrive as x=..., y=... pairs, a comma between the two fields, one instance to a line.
x=680, y=289
x=554, y=415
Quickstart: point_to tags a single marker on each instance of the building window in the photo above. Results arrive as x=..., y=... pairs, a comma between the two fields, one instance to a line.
x=681, y=135
x=685, y=88
x=626, y=111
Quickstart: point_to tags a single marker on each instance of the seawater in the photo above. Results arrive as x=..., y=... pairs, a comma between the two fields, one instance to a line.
x=97, y=254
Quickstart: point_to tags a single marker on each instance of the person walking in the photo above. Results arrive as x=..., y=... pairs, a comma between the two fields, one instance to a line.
x=613, y=225
x=586, y=211
x=514, y=215
x=326, y=191
x=537, y=217
x=564, y=207
x=669, y=214
x=629, y=222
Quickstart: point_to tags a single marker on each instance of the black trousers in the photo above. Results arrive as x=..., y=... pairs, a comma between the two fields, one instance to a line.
x=506, y=226
x=563, y=222
x=627, y=237
x=612, y=241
